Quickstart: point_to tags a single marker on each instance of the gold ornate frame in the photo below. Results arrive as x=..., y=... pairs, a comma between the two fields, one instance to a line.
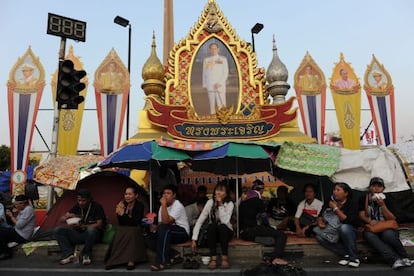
x=342, y=64
x=112, y=57
x=376, y=65
x=213, y=24
x=30, y=58
x=308, y=60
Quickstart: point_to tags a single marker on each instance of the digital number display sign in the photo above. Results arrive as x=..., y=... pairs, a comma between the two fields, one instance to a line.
x=66, y=27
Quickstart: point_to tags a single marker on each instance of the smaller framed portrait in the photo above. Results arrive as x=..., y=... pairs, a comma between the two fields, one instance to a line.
x=27, y=75
x=111, y=77
x=378, y=80
x=344, y=79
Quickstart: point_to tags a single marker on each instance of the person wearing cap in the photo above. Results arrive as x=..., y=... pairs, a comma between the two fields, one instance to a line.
x=87, y=231
x=28, y=80
x=374, y=207
x=250, y=209
x=24, y=220
x=379, y=83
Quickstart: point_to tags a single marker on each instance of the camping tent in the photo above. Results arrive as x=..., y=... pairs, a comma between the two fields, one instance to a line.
x=107, y=188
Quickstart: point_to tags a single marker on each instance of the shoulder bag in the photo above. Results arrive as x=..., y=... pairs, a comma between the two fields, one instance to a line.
x=306, y=219
x=381, y=225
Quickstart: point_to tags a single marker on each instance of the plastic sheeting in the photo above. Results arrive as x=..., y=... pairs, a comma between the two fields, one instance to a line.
x=357, y=167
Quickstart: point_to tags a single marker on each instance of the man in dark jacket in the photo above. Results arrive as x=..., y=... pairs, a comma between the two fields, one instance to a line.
x=250, y=210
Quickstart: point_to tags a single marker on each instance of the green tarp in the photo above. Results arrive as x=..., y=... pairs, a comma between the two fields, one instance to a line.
x=309, y=158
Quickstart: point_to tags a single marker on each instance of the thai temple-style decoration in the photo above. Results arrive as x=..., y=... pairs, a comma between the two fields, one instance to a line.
x=24, y=90
x=380, y=93
x=70, y=120
x=212, y=89
x=112, y=86
x=310, y=87
x=346, y=93
x=276, y=76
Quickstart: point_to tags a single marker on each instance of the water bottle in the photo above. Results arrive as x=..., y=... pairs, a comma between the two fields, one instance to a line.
x=76, y=253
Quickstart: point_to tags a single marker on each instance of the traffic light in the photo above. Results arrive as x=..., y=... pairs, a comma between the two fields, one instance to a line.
x=69, y=86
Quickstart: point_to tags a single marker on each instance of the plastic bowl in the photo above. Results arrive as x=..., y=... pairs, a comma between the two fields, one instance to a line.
x=73, y=221
x=205, y=260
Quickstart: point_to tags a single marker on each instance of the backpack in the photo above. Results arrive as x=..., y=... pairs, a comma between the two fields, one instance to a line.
x=202, y=240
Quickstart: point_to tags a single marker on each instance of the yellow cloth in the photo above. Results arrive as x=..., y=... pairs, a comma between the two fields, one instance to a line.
x=348, y=114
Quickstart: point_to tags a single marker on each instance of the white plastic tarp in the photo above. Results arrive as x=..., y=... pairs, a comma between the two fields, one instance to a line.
x=357, y=167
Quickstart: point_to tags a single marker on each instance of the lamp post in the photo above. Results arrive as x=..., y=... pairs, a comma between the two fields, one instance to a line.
x=125, y=22
x=255, y=30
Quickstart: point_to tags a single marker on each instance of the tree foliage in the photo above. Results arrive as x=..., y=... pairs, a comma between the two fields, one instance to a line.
x=5, y=156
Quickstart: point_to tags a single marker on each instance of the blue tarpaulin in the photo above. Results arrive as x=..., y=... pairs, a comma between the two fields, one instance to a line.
x=5, y=177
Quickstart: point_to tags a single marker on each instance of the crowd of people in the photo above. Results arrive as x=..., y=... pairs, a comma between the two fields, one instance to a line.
x=336, y=225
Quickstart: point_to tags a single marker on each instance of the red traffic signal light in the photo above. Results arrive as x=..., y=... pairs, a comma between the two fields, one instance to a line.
x=69, y=86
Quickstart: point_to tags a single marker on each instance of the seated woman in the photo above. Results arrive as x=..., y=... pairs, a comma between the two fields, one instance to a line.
x=218, y=211
x=24, y=220
x=128, y=246
x=373, y=208
x=309, y=207
x=341, y=216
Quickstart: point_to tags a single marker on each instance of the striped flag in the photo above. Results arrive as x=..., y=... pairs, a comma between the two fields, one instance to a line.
x=25, y=89
x=111, y=92
x=380, y=93
x=310, y=87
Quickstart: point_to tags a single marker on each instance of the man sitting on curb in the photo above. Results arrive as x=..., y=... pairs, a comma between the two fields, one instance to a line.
x=23, y=218
x=172, y=227
x=88, y=230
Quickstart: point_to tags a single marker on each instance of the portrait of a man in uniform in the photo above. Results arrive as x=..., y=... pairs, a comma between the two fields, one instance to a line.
x=214, y=78
x=378, y=81
x=27, y=76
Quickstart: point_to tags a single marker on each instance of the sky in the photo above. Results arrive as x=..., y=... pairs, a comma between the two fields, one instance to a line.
x=324, y=28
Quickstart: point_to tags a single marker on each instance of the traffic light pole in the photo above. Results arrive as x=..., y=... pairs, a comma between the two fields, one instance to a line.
x=56, y=119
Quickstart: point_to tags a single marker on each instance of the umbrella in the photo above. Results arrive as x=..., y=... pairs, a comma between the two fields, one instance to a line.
x=233, y=158
x=140, y=156
x=143, y=156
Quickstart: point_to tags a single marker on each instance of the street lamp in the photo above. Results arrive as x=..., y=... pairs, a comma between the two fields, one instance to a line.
x=125, y=22
x=255, y=30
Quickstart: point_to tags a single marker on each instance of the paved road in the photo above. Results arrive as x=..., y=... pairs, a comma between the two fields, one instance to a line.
x=47, y=265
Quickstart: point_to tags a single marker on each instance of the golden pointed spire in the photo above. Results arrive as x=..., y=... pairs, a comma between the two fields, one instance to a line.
x=153, y=73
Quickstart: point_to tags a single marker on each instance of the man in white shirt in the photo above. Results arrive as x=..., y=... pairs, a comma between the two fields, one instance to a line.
x=310, y=206
x=172, y=227
x=215, y=73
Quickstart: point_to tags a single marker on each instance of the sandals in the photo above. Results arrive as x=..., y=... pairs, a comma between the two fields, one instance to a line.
x=279, y=261
x=225, y=262
x=157, y=267
x=213, y=263
x=191, y=262
x=176, y=260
